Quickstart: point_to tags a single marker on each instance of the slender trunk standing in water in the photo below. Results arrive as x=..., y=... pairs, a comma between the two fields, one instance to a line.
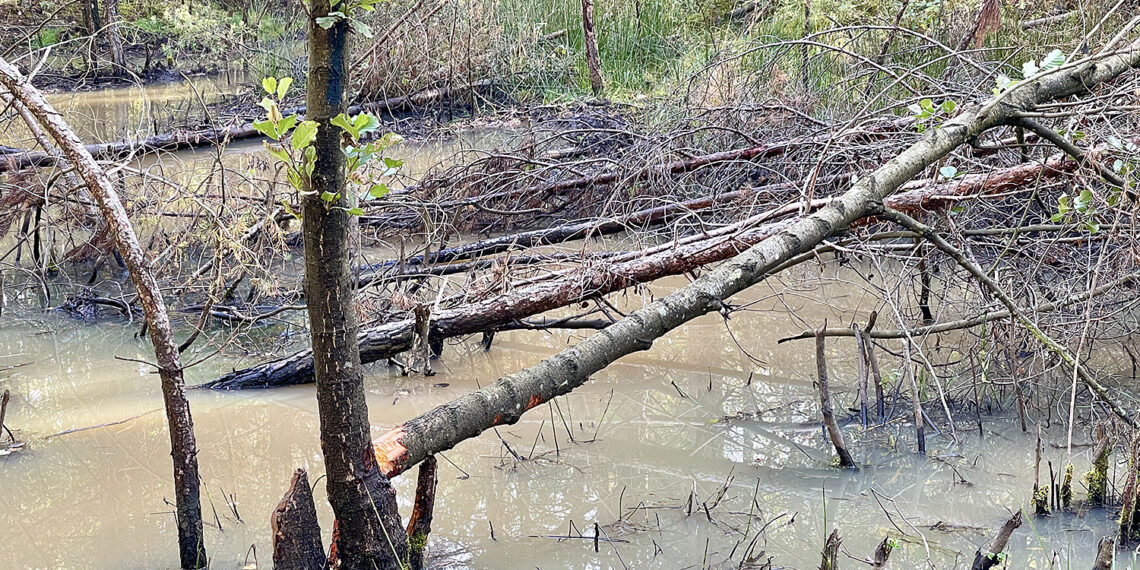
x=593, y=61
x=114, y=37
x=369, y=533
x=184, y=450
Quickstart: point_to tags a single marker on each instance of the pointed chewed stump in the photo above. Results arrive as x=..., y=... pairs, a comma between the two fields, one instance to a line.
x=296, y=532
x=984, y=560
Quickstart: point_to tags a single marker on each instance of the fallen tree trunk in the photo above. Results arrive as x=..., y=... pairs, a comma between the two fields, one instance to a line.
x=14, y=159
x=504, y=401
x=620, y=272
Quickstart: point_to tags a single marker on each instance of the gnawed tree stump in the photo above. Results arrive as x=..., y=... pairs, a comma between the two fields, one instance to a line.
x=296, y=531
x=419, y=524
x=984, y=560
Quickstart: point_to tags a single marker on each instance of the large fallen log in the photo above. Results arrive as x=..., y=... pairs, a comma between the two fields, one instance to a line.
x=504, y=401
x=614, y=274
x=16, y=159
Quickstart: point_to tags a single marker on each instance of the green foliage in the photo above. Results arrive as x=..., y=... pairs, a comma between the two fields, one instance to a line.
x=293, y=147
x=346, y=10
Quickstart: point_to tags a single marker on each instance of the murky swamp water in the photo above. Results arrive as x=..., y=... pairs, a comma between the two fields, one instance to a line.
x=694, y=415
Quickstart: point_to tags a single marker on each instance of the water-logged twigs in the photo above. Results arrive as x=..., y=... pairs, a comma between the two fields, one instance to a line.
x=1048, y=342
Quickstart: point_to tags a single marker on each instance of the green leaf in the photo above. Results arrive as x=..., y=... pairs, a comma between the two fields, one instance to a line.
x=948, y=106
x=267, y=128
x=289, y=209
x=277, y=152
x=1029, y=69
x=304, y=135
x=1056, y=218
x=1092, y=226
x=378, y=191
x=357, y=211
x=361, y=28
x=1053, y=60
x=330, y=197
x=948, y=172
x=269, y=84
x=327, y=22
x=295, y=180
x=286, y=123
x=365, y=123
x=342, y=121
x=283, y=86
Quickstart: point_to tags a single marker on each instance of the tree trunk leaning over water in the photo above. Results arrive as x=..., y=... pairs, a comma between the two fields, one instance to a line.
x=369, y=531
x=184, y=450
x=504, y=401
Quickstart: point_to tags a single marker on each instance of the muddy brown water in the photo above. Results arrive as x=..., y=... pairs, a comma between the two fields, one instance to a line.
x=690, y=417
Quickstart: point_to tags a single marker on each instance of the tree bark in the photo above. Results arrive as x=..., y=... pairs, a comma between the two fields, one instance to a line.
x=836, y=436
x=992, y=557
x=369, y=531
x=593, y=60
x=114, y=36
x=296, y=530
x=504, y=401
x=419, y=523
x=192, y=553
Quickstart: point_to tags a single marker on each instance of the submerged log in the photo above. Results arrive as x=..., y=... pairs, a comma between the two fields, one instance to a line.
x=15, y=159
x=296, y=530
x=575, y=286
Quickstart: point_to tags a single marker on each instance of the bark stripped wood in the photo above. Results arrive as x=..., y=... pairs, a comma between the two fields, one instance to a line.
x=593, y=60
x=993, y=556
x=17, y=159
x=916, y=400
x=369, y=533
x=386, y=340
x=649, y=217
x=419, y=523
x=833, y=432
x=192, y=553
x=296, y=530
x=873, y=364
